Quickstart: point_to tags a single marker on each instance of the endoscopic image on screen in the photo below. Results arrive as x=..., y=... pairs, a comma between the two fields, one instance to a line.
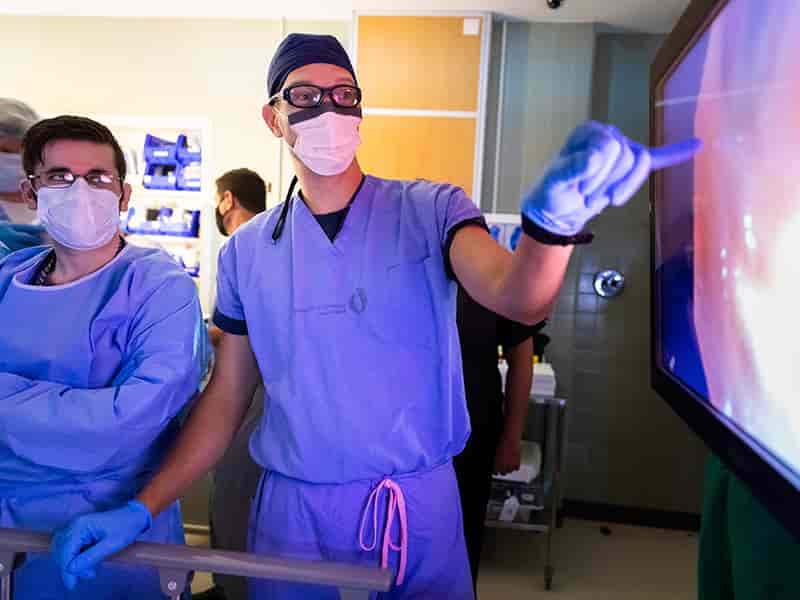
x=728, y=225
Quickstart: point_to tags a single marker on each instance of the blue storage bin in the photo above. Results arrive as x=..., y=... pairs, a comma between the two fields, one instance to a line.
x=160, y=177
x=190, y=177
x=184, y=224
x=187, y=154
x=162, y=221
x=146, y=222
x=159, y=152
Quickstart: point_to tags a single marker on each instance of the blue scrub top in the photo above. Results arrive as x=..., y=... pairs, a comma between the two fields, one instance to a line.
x=356, y=339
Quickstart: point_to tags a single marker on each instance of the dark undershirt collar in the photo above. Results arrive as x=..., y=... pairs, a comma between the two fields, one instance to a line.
x=332, y=223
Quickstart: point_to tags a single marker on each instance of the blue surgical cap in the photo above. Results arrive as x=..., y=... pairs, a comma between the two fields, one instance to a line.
x=301, y=49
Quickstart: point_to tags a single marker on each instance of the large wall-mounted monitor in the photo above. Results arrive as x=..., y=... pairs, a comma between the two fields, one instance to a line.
x=726, y=239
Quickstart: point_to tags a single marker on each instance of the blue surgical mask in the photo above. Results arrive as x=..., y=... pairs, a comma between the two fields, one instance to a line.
x=10, y=172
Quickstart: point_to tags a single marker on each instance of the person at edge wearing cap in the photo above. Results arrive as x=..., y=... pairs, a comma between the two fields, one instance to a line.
x=343, y=299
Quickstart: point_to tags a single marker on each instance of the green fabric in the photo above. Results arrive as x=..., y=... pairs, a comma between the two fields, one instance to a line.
x=745, y=554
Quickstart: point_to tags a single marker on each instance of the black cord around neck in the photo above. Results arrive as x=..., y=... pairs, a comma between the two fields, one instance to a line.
x=287, y=203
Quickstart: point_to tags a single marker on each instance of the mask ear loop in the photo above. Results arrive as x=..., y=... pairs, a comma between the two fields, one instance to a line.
x=276, y=233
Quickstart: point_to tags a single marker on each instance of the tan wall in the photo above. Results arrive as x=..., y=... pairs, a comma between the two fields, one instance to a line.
x=438, y=149
x=420, y=63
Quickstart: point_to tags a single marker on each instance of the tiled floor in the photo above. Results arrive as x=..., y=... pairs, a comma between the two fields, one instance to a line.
x=629, y=563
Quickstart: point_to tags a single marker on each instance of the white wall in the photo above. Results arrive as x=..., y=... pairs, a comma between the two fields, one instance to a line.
x=635, y=15
x=155, y=67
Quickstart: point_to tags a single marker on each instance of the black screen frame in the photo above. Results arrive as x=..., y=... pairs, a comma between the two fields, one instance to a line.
x=765, y=476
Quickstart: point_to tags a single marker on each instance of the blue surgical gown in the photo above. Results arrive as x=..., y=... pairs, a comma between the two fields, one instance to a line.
x=92, y=376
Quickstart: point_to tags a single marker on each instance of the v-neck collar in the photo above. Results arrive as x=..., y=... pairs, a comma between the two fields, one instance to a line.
x=354, y=224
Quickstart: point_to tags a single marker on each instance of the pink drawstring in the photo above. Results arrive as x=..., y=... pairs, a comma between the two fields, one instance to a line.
x=397, y=503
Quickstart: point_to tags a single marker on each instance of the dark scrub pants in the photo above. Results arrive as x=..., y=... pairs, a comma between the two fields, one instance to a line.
x=745, y=553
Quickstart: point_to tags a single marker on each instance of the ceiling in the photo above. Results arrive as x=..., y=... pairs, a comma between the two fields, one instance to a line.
x=656, y=16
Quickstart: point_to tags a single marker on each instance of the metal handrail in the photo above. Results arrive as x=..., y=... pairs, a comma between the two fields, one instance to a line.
x=175, y=562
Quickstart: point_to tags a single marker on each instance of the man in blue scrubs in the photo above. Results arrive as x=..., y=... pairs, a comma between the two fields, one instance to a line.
x=343, y=300
x=98, y=355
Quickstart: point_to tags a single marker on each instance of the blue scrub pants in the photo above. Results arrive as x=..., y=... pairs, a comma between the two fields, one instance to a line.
x=296, y=519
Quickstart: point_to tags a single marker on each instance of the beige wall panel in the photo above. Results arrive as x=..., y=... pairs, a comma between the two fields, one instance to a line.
x=419, y=147
x=418, y=63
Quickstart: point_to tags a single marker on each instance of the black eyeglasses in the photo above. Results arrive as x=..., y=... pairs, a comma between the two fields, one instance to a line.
x=63, y=178
x=311, y=96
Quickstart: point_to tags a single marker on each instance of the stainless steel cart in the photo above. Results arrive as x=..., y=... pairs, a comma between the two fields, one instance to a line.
x=549, y=419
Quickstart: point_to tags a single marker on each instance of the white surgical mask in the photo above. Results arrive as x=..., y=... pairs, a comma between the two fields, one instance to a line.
x=326, y=143
x=79, y=217
x=10, y=172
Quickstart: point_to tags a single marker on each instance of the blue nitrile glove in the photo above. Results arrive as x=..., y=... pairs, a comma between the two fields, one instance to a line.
x=18, y=236
x=597, y=167
x=80, y=546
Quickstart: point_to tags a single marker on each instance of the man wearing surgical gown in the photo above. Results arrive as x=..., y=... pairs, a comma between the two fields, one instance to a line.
x=98, y=354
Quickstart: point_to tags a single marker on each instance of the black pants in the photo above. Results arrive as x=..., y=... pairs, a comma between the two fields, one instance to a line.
x=474, y=468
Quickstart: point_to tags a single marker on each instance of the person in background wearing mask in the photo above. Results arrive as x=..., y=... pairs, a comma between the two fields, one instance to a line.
x=15, y=119
x=17, y=220
x=97, y=357
x=343, y=300
x=497, y=417
x=241, y=195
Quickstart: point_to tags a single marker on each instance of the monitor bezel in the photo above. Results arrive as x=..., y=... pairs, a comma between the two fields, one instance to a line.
x=767, y=478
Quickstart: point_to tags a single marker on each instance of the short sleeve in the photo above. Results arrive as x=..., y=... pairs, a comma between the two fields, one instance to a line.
x=229, y=313
x=453, y=207
x=454, y=210
x=511, y=334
